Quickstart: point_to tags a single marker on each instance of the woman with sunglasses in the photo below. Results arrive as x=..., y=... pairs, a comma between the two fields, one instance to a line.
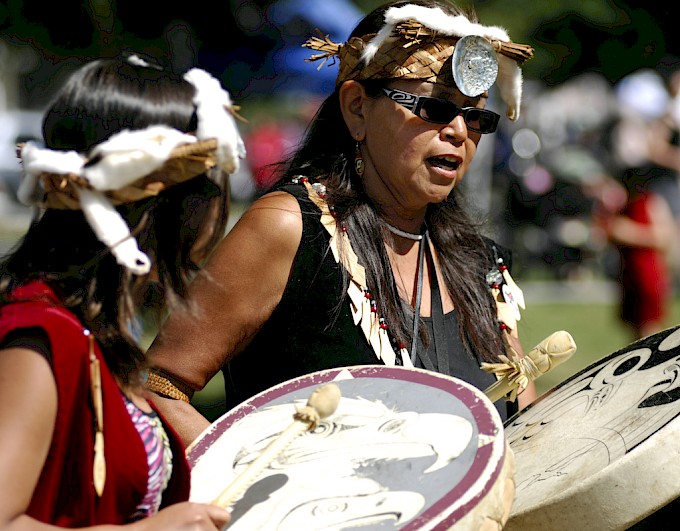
x=363, y=253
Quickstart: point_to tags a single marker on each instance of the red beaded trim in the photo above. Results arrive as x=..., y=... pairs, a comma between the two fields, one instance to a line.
x=320, y=190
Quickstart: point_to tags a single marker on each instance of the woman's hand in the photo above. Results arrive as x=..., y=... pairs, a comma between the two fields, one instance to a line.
x=186, y=516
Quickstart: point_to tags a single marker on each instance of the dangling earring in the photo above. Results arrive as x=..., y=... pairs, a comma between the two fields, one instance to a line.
x=359, y=165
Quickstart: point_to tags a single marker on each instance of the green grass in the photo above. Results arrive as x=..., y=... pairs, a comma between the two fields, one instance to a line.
x=596, y=329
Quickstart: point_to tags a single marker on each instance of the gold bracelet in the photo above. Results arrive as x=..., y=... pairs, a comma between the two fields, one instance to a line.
x=161, y=385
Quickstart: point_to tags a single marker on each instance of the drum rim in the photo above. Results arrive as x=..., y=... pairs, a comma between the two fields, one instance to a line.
x=563, y=496
x=488, y=463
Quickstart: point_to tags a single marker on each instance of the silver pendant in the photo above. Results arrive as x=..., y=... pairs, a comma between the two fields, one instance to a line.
x=474, y=65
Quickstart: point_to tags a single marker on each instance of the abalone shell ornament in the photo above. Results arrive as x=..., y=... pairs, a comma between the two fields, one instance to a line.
x=474, y=64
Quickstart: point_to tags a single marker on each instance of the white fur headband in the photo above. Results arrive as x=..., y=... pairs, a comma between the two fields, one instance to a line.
x=509, y=74
x=129, y=156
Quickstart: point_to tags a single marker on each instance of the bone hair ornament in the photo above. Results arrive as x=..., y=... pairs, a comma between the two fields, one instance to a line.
x=134, y=165
x=321, y=404
x=416, y=42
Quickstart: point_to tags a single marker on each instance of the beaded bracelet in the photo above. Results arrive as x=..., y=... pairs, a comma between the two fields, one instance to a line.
x=164, y=387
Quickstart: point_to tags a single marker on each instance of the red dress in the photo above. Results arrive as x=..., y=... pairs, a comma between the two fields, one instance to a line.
x=645, y=278
x=65, y=494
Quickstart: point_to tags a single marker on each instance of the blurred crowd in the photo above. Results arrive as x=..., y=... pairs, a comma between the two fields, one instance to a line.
x=551, y=176
x=561, y=170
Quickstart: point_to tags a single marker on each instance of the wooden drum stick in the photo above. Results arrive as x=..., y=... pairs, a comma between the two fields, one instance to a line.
x=322, y=403
x=515, y=373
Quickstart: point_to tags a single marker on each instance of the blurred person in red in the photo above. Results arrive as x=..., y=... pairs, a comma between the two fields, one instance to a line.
x=644, y=229
x=267, y=144
x=643, y=232
x=273, y=140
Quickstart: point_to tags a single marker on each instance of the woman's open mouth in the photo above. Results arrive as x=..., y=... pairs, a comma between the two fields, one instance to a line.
x=446, y=163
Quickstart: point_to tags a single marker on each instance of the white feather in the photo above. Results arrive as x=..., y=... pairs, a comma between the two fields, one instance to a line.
x=434, y=19
x=374, y=44
x=112, y=231
x=356, y=297
x=405, y=357
x=36, y=160
x=386, y=351
x=213, y=119
x=27, y=191
x=509, y=83
x=374, y=337
x=366, y=319
x=437, y=20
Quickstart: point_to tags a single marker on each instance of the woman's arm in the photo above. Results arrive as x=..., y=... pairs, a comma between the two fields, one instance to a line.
x=241, y=285
x=28, y=411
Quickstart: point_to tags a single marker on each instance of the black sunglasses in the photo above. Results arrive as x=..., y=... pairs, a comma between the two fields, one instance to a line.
x=440, y=111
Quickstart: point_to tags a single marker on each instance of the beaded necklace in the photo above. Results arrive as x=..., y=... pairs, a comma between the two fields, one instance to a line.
x=424, y=245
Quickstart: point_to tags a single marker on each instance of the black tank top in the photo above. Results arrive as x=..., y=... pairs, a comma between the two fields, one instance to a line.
x=307, y=332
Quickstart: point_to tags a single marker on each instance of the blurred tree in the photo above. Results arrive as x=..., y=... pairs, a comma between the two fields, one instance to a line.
x=238, y=40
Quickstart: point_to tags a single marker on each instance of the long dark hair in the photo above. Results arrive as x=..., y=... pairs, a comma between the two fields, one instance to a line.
x=325, y=155
x=100, y=99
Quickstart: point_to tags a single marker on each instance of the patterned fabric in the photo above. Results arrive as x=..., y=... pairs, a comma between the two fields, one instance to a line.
x=159, y=455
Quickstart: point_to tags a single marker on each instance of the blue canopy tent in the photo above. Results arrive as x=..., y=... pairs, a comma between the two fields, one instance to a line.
x=294, y=21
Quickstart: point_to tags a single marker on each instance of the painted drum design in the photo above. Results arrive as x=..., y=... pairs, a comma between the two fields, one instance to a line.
x=405, y=449
x=599, y=451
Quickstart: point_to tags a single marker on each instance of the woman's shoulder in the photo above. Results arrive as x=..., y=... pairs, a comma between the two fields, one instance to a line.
x=276, y=207
x=34, y=316
x=290, y=205
x=299, y=188
x=291, y=195
x=37, y=304
x=270, y=229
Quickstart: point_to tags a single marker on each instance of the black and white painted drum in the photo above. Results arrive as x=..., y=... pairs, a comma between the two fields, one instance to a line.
x=601, y=450
x=405, y=449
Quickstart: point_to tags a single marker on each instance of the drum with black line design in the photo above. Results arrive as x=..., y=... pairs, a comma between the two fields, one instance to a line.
x=601, y=449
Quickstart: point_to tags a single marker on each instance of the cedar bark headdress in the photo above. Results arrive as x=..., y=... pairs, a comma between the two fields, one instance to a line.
x=424, y=43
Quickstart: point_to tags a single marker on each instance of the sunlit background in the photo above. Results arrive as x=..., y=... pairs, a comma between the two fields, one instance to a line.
x=536, y=181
